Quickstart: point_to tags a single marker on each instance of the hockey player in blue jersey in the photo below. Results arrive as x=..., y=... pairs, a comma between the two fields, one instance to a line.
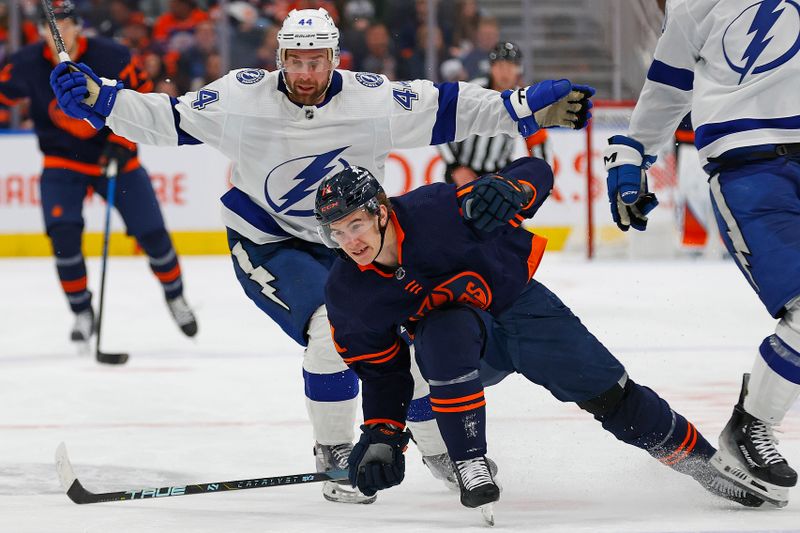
x=734, y=64
x=451, y=271
x=74, y=154
x=285, y=131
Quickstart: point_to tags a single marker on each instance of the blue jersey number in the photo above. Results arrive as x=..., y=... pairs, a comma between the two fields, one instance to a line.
x=305, y=22
x=205, y=97
x=405, y=97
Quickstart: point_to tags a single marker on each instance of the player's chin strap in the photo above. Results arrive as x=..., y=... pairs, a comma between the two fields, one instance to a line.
x=382, y=229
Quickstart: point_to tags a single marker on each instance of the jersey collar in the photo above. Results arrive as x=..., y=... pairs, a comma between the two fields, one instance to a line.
x=82, y=44
x=334, y=88
x=401, y=235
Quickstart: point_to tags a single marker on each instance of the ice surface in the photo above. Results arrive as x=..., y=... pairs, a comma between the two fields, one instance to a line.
x=230, y=405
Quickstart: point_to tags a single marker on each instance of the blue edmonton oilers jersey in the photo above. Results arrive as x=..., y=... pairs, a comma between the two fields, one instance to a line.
x=735, y=63
x=281, y=150
x=443, y=261
x=26, y=75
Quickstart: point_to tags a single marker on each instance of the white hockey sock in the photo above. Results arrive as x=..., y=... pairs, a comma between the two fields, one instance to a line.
x=426, y=431
x=769, y=394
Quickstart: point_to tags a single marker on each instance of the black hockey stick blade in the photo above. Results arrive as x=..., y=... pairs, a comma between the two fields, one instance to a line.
x=111, y=358
x=78, y=494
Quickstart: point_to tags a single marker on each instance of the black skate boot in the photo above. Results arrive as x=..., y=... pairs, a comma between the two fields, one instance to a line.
x=334, y=457
x=183, y=315
x=441, y=468
x=478, y=488
x=748, y=455
x=84, y=326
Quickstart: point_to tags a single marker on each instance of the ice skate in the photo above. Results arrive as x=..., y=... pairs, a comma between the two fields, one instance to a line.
x=84, y=326
x=719, y=485
x=442, y=468
x=748, y=456
x=183, y=315
x=478, y=488
x=334, y=457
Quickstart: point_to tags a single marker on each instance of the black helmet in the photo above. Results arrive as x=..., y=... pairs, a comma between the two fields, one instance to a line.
x=506, y=51
x=343, y=193
x=62, y=9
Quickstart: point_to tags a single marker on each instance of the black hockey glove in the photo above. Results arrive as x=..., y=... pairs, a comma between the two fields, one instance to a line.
x=116, y=151
x=494, y=201
x=377, y=461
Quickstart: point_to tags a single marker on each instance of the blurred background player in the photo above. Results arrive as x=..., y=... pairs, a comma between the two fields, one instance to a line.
x=477, y=155
x=695, y=216
x=74, y=156
x=334, y=118
x=465, y=295
x=747, y=131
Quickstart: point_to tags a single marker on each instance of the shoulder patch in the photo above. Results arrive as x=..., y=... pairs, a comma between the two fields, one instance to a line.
x=250, y=76
x=368, y=79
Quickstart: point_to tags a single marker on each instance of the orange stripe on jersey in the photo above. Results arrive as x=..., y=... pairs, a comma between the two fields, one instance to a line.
x=465, y=190
x=529, y=204
x=458, y=409
x=75, y=285
x=514, y=223
x=167, y=277
x=336, y=344
x=53, y=161
x=387, y=421
x=5, y=100
x=538, y=245
x=122, y=141
x=457, y=400
x=381, y=357
x=684, y=136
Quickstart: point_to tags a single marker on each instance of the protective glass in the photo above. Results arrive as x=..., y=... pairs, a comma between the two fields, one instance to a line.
x=295, y=65
x=345, y=232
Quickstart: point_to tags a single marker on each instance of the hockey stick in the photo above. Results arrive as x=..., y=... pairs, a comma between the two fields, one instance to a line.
x=80, y=495
x=63, y=56
x=101, y=356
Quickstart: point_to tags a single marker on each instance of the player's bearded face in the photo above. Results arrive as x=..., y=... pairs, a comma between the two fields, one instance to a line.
x=307, y=73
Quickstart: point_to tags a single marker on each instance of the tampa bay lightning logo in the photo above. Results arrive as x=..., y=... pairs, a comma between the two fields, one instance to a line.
x=290, y=186
x=250, y=76
x=369, y=80
x=763, y=37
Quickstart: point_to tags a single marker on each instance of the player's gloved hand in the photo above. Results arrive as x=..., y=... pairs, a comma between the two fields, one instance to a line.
x=547, y=104
x=377, y=461
x=122, y=154
x=494, y=200
x=82, y=94
x=627, y=182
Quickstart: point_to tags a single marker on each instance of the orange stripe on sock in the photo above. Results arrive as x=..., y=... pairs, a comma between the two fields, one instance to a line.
x=676, y=456
x=457, y=400
x=167, y=277
x=75, y=285
x=458, y=409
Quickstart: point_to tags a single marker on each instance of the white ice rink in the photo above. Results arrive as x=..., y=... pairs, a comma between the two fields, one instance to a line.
x=229, y=405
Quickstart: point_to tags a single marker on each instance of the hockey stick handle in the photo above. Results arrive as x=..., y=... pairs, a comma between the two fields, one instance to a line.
x=63, y=56
x=80, y=495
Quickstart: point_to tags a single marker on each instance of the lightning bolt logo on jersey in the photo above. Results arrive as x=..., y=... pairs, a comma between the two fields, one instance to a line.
x=301, y=176
x=763, y=37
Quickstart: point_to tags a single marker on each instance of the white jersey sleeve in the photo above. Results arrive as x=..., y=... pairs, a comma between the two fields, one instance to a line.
x=426, y=113
x=667, y=93
x=196, y=117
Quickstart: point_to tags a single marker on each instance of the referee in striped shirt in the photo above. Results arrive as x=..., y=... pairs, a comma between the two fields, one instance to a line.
x=476, y=155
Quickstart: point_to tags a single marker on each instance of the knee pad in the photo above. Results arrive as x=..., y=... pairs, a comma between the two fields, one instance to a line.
x=449, y=343
x=66, y=241
x=606, y=402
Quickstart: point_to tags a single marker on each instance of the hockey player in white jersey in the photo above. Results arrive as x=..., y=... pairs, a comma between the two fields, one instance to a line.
x=287, y=130
x=735, y=65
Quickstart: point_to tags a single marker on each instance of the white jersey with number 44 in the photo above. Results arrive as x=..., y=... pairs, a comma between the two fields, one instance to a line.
x=281, y=150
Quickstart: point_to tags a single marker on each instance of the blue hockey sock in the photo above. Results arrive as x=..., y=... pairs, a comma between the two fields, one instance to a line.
x=163, y=262
x=460, y=411
x=71, y=266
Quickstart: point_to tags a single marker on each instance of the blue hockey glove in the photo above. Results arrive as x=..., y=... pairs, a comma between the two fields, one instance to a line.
x=82, y=94
x=630, y=199
x=547, y=104
x=494, y=200
x=377, y=461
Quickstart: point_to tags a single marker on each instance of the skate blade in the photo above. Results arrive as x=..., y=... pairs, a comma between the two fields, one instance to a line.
x=487, y=512
x=737, y=474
